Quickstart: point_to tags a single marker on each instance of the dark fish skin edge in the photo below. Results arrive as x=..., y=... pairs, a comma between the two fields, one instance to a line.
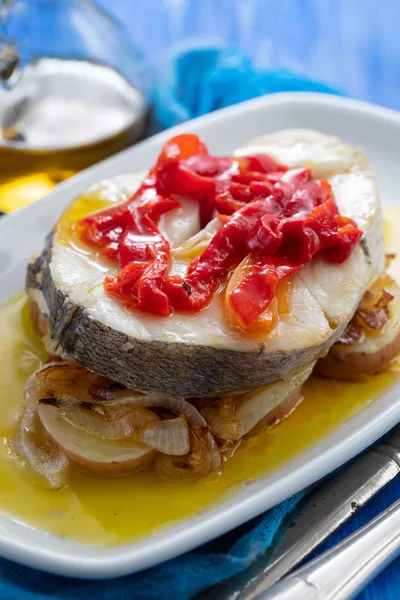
x=156, y=367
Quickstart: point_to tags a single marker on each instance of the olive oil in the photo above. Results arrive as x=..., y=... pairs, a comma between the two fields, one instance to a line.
x=62, y=116
x=112, y=511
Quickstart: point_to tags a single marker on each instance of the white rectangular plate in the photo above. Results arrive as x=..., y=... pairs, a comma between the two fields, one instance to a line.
x=377, y=131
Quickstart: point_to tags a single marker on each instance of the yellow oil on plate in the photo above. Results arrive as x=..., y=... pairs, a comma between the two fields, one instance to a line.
x=111, y=511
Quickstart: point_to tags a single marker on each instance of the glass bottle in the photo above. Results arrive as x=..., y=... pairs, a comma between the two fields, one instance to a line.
x=72, y=92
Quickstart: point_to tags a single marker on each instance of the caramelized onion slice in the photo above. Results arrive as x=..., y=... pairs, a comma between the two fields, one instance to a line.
x=65, y=377
x=204, y=457
x=68, y=379
x=104, y=424
x=221, y=417
x=42, y=455
x=69, y=420
x=31, y=389
x=173, y=403
x=169, y=437
x=96, y=455
x=203, y=460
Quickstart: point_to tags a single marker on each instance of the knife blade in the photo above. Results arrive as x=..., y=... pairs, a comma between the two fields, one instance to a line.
x=325, y=510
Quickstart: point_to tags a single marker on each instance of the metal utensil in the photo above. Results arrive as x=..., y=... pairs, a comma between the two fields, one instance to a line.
x=326, y=509
x=343, y=571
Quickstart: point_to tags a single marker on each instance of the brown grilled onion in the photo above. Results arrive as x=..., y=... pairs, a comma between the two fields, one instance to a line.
x=372, y=313
x=203, y=460
x=221, y=417
x=371, y=340
x=64, y=377
x=177, y=405
x=82, y=399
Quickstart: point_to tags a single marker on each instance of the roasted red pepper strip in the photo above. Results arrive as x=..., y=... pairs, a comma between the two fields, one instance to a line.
x=291, y=243
x=254, y=293
x=283, y=218
x=225, y=251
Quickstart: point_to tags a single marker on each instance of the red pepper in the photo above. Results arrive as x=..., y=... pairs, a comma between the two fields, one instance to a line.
x=281, y=217
x=253, y=295
x=225, y=251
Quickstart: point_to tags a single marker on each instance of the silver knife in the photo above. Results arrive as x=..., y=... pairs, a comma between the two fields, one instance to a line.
x=325, y=510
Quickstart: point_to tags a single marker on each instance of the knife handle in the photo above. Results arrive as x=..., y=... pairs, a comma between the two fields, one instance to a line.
x=342, y=572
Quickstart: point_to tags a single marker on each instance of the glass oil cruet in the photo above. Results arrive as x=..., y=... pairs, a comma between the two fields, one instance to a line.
x=72, y=91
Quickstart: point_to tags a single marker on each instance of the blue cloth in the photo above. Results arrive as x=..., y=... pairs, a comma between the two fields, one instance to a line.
x=351, y=44
x=192, y=82
x=196, y=79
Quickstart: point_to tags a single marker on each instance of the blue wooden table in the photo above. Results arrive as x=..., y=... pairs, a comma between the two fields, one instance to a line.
x=353, y=45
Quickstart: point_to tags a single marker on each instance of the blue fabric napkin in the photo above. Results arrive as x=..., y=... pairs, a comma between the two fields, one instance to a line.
x=194, y=80
x=197, y=78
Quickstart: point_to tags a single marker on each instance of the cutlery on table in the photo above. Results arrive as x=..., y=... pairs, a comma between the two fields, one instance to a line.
x=324, y=511
x=344, y=570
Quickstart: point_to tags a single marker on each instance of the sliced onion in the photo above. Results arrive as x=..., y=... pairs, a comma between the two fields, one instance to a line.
x=169, y=437
x=97, y=417
x=104, y=391
x=62, y=379
x=252, y=407
x=221, y=418
x=67, y=377
x=107, y=458
x=43, y=456
x=31, y=392
x=230, y=418
x=86, y=418
x=174, y=403
x=66, y=364
x=57, y=378
x=203, y=460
